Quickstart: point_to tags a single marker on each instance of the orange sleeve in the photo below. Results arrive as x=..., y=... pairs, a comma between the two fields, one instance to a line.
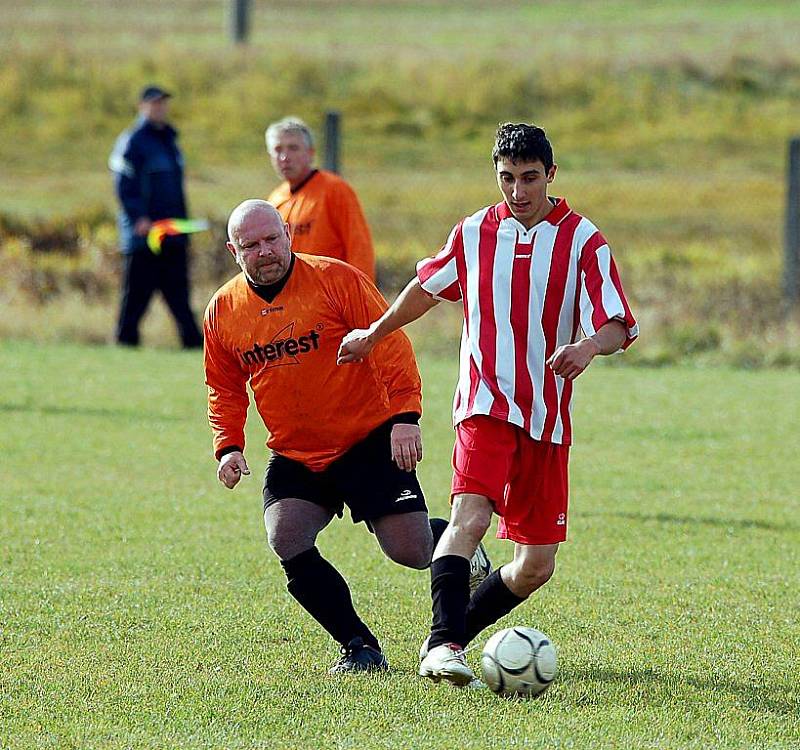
x=227, y=388
x=393, y=358
x=350, y=223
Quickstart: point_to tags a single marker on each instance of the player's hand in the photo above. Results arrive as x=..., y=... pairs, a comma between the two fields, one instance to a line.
x=571, y=360
x=232, y=467
x=406, y=443
x=355, y=346
x=142, y=226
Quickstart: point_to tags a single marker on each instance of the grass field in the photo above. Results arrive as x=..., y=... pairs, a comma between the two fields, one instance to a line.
x=140, y=607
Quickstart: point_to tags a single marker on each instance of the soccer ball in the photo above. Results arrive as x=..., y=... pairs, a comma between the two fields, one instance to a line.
x=518, y=661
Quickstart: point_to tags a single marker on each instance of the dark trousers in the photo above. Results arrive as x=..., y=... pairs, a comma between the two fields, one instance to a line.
x=142, y=274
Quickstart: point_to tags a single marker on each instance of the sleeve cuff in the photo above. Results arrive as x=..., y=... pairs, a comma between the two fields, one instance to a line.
x=226, y=450
x=405, y=417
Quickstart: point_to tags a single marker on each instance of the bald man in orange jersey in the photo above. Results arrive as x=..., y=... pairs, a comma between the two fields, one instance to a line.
x=322, y=210
x=339, y=436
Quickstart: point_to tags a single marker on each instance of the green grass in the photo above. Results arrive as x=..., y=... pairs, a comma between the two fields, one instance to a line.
x=140, y=607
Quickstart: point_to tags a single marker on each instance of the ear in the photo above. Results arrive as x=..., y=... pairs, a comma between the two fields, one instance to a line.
x=232, y=248
x=551, y=175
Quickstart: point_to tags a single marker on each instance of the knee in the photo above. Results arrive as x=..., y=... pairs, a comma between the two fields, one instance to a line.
x=527, y=578
x=416, y=556
x=418, y=559
x=286, y=546
x=471, y=523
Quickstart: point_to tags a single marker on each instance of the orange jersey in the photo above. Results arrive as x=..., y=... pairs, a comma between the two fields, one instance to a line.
x=314, y=409
x=325, y=218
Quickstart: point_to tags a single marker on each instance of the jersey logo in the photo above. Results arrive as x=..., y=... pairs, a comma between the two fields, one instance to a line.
x=562, y=519
x=284, y=349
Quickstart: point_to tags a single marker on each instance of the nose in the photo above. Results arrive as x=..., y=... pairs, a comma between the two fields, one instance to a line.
x=516, y=191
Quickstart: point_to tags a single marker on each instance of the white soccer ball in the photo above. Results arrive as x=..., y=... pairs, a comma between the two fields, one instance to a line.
x=519, y=661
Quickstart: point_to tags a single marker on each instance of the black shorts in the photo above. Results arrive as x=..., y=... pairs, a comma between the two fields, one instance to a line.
x=365, y=479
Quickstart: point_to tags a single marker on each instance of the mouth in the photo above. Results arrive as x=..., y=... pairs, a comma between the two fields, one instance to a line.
x=520, y=206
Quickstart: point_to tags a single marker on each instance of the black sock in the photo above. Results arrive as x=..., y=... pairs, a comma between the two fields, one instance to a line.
x=438, y=525
x=488, y=604
x=450, y=596
x=324, y=594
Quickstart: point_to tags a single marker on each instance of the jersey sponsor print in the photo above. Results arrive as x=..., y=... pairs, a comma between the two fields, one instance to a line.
x=285, y=350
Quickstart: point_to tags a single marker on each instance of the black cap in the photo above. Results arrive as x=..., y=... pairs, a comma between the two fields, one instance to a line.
x=151, y=93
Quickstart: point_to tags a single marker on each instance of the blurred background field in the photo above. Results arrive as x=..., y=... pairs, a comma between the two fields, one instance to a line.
x=670, y=124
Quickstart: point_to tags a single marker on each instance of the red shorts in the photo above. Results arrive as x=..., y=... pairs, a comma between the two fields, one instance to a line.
x=525, y=479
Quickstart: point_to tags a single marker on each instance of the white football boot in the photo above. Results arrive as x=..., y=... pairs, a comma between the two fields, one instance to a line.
x=479, y=568
x=447, y=662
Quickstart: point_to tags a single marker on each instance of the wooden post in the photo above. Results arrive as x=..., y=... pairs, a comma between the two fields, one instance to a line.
x=791, y=269
x=239, y=20
x=332, y=120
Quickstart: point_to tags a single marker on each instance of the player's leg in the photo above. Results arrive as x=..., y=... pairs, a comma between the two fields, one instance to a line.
x=450, y=569
x=292, y=526
x=509, y=586
x=406, y=538
x=174, y=282
x=535, y=518
x=442, y=655
x=138, y=284
x=532, y=567
x=388, y=499
x=481, y=460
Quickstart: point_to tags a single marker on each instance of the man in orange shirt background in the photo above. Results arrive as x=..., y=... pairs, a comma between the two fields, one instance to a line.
x=339, y=436
x=321, y=209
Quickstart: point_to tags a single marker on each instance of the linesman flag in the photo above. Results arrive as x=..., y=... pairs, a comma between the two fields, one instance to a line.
x=170, y=227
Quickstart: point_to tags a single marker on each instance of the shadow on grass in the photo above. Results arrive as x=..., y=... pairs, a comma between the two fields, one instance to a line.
x=725, y=523
x=91, y=411
x=759, y=697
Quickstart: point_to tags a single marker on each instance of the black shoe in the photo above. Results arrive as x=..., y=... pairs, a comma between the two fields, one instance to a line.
x=358, y=657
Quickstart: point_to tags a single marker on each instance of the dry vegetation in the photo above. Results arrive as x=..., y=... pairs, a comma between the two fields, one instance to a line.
x=670, y=128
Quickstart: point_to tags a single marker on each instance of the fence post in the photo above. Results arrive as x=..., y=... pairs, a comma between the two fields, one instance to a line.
x=239, y=20
x=791, y=269
x=332, y=120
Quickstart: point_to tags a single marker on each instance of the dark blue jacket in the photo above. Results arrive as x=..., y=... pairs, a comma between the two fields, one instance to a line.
x=148, y=173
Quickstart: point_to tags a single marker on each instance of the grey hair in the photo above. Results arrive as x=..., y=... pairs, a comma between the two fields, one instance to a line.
x=243, y=210
x=288, y=125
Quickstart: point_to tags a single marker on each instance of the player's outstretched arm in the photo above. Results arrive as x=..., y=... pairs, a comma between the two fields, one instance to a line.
x=571, y=360
x=232, y=467
x=412, y=303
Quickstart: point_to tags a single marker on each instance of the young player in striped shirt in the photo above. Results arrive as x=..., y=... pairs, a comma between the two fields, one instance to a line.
x=530, y=274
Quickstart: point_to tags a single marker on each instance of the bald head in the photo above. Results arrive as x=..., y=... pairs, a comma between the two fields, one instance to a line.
x=258, y=239
x=245, y=210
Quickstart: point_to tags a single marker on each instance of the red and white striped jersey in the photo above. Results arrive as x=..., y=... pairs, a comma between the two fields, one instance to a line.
x=525, y=292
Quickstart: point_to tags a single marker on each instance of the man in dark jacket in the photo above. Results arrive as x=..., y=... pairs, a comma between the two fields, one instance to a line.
x=148, y=171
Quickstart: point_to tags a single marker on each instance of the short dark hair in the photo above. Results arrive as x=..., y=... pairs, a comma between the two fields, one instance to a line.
x=522, y=142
